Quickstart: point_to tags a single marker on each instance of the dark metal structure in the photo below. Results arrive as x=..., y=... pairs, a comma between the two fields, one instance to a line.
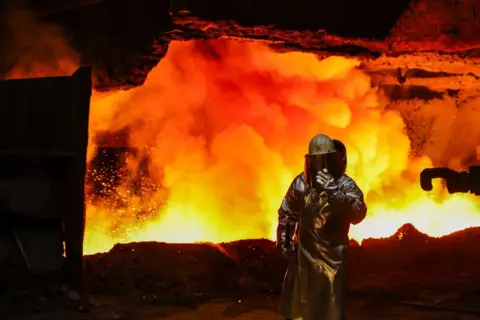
x=43, y=143
x=456, y=182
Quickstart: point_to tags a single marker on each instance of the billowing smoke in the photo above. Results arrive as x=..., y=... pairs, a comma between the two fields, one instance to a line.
x=35, y=49
x=206, y=148
x=225, y=126
x=445, y=129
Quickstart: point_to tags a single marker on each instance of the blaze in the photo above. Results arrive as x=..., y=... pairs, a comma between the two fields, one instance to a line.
x=220, y=129
x=210, y=143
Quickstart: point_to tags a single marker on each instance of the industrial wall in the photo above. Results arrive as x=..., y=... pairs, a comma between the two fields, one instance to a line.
x=43, y=141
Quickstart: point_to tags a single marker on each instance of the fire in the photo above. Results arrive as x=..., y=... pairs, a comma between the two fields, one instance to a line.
x=219, y=130
x=225, y=126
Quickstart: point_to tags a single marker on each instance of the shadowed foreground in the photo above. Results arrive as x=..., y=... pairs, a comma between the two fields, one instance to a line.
x=242, y=280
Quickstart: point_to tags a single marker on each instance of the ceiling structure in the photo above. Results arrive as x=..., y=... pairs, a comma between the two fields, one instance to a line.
x=125, y=39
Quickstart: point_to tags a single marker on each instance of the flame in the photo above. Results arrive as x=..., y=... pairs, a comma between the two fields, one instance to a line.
x=225, y=126
x=219, y=131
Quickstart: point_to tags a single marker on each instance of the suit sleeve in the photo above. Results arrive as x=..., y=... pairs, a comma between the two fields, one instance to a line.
x=350, y=195
x=288, y=215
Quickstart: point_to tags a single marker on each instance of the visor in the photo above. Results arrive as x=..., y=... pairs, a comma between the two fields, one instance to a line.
x=318, y=162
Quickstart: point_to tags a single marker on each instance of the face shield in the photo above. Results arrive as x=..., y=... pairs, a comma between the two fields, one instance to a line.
x=321, y=162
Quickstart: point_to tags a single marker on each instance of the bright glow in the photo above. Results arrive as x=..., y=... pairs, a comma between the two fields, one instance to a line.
x=226, y=126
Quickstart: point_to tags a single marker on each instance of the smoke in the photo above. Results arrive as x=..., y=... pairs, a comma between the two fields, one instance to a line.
x=226, y=125
x=445, y=130
x=35, y=49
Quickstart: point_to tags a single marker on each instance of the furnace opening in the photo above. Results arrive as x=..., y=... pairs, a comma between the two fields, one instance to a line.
x=205, y=149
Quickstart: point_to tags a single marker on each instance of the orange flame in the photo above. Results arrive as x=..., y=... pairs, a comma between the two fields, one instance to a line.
x=226, y=125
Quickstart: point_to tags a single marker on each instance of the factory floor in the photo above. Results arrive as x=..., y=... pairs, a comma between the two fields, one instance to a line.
x=249, y=308
x=415, y=278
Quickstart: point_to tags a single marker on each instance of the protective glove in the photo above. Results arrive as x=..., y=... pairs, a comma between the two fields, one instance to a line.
x=326, y=181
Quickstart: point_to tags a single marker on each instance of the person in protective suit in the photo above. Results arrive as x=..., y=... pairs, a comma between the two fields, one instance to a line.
x=313, y=224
